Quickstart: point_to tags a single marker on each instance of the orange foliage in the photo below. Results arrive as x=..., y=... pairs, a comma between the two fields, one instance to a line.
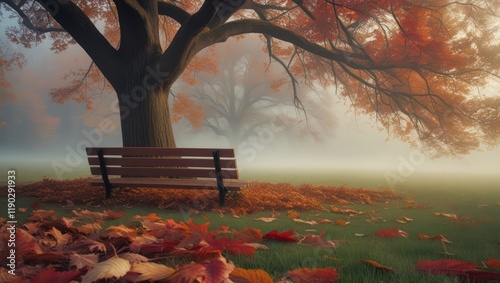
x=257, y=197
x=185, y=107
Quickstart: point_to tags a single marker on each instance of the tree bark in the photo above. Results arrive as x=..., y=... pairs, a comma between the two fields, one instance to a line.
x=145, y=119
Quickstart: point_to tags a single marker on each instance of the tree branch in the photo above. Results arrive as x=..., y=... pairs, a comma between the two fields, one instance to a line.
x=172, y=11
x=84, y=32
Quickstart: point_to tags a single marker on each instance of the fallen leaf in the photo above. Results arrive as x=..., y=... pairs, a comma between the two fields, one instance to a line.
x=317, y=275
x=218, y=270
x=113, y=215
x=81, y=261
x=359, y=235
x=240, y=275
x=257, y=246
x=214, y=271
x=391, y=233
x=293, y=214
x=345, y=211
x=148, y=271
x=323, y=221
x=377, y=265
x=61, y=239
x=50, y=275
x=133, y=258
x=114, y=267
x=341, y=222
x=248, y=235
x=282, y=237
x=316, y=241
x=493, y=263
x=445, y=266
x=312, y=222
x=436, y=237
x=266, y=219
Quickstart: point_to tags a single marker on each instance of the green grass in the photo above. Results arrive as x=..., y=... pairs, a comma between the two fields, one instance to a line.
x=474, y=240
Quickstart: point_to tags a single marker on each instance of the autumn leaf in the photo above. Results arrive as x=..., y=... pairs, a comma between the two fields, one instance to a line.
x=114, y=267
x=316, y=241
x=87, y=245
x=317, y=275
x=133, y=258
x=112, y=214
x=214, y=271
x=391, y=233
x=445, y=266
x=240, y=275
x=41, y=214
x=119, y=231
x=148, y=271
x=493, y=263
x=312, y=222
x=341, y=222
x=282, y=237
x=248, y=235
x=293, y=214
x=59, y=237
x=436, y=237
x=343, y=211
x=50, y=275
x=232, y=246
x=377, y=265
x=81, y=261
x=218, y=270
x=323, y=221
x=266, y=219
x=90, y=214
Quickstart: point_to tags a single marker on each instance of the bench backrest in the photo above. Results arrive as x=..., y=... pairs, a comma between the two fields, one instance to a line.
x=163, y=162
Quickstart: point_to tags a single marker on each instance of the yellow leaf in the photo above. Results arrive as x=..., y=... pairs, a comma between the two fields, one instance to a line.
x=240, y=275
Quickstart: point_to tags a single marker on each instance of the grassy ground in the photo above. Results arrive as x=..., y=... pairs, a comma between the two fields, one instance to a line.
x=475, y=238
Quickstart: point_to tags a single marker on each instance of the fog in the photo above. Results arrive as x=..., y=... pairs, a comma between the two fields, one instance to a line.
x=39, y=133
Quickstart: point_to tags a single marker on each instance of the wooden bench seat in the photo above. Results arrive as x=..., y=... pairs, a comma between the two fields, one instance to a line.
x=182, y=168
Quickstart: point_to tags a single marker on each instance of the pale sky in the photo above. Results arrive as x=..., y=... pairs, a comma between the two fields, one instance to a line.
x=41, y=132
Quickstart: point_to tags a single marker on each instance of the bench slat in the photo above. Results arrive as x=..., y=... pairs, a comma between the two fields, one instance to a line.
x=172, y=183
x=164, y=172
x=160, y=151
x=164, y=162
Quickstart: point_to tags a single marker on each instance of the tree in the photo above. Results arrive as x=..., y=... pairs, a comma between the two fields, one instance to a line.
x=413, y=64
x=243, y=94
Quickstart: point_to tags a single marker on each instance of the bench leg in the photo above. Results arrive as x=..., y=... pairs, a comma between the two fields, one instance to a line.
x=108, y=191
x=222, y=195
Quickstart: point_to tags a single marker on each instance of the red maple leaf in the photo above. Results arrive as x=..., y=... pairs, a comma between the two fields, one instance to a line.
x=113, y=215
x=465, y=270
x=445, y=266
x=50, y=275
x=282, y=237
x=391, y=233
x=317, y=275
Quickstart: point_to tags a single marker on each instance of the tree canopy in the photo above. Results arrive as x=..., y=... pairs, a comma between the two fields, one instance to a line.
x=420, y=67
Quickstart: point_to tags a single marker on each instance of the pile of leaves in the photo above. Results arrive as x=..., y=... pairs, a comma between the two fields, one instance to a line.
x=258, y=196
x=77, y=248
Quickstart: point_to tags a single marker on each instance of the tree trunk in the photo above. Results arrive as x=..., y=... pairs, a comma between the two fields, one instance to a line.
x=145, y=118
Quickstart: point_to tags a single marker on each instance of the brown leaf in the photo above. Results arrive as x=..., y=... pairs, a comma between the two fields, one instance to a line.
x=377, y=265
x=81, y=261
x=316, y=241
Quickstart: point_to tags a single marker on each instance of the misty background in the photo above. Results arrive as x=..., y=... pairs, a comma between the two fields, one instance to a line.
x=42, y=138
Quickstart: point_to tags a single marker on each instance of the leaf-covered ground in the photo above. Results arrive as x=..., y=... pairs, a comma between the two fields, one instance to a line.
x=259, y=196
x=369, y=234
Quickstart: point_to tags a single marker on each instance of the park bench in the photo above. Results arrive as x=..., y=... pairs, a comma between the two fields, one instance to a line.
x=154, y=167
